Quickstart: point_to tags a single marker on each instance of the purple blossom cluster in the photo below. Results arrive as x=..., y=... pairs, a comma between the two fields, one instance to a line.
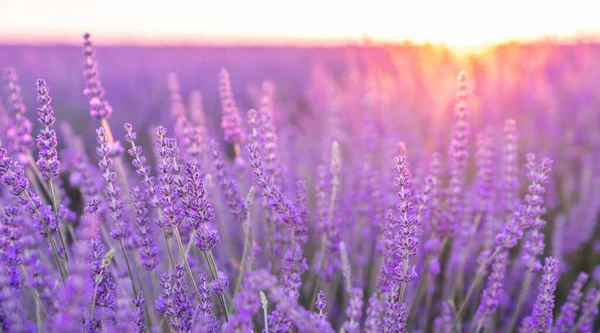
x=331, y=225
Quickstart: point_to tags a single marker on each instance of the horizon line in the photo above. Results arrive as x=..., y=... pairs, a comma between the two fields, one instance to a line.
x=197, y=41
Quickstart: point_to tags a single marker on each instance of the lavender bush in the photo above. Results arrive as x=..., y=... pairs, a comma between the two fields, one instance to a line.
x=367, y=217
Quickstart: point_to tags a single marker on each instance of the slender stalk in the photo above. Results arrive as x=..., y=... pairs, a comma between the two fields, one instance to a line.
x=38, y=318
x=420, y=289
x=128, y=269
x=465, y=250
x=35, y=293
x=522, y=294
x=271, y=238
x=154, y=284
x=53, y=197
x=238, y=282
x=313, y=297
x=59, y=262
x=264, y=304
x=185, y=261
x=94, y=299
x=334, y=188
x=474, y=284
x=190, y=244
x=37, y=173
x=585, y=315
x=247, y=232
x=214, y=273
x=403, y=283
x=168, y=246
x=71, y=232
x=428, y=312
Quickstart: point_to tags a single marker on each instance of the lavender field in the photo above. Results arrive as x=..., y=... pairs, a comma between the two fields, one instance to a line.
x=373, y=188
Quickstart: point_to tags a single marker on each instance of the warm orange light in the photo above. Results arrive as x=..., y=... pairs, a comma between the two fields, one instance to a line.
x=459, y=23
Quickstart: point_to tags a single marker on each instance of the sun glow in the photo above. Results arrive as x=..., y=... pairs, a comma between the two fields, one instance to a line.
x=458, y=23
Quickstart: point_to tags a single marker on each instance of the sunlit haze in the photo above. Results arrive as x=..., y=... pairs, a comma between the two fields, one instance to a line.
x=462, y=23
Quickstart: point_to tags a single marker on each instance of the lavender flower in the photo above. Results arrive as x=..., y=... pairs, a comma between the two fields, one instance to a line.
x=232, y=121
x=227, y=186
x=19, y=131
x=510, y=180
x=169, y=179
x=569, y=309
x=140, y=315
x=220, y=284
x=589, y=310
x=321, y=303
x=374, y=312
x=147, y=245
x=490, y=297
x=112, y=192
x=174, y=301
x=208, y=321
x=99, y=108
x=394, y=318
x=541, y=317
x=354, y=311
x=47, y=163
x=458, y=154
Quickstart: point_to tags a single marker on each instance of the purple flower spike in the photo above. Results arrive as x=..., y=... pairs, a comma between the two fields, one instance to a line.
x=99, y=108
x=47, y=163
x=174, y=300
x=354, y=311
x=321, y=303
x=568, y=311
x=232, y=122
x=374, y=312
x=541, y=317
x=112, y=192
x=208, y=321
x=458, y=154
x=147, y=246
x=221, y=284
x=19, y=131
x=140, y=315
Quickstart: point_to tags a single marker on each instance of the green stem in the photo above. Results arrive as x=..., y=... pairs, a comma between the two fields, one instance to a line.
x=38, y=318
x=403, y=283
x=37, y=173
x=465, y=250
x=522, y=294
x=214, y=273
x=55, y=207
x=474, y=284
x=35, y=293
x=334, y=188
x=185, y=261
x=128, y=269
x=94, y=300
x=49, y=237
x=238, y=282
x=168, y=246
x=118, y=163
x=420, y=289
x=154, y=284
x=585, y=315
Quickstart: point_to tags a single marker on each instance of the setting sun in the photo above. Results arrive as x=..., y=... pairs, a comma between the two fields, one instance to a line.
x=462, y=23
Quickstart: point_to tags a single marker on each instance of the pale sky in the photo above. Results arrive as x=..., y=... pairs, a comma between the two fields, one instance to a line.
x=454, y=22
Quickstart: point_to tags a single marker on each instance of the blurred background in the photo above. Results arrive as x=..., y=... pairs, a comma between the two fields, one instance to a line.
x=524, y=58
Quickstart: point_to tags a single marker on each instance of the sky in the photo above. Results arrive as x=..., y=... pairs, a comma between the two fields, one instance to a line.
x=461, y=23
